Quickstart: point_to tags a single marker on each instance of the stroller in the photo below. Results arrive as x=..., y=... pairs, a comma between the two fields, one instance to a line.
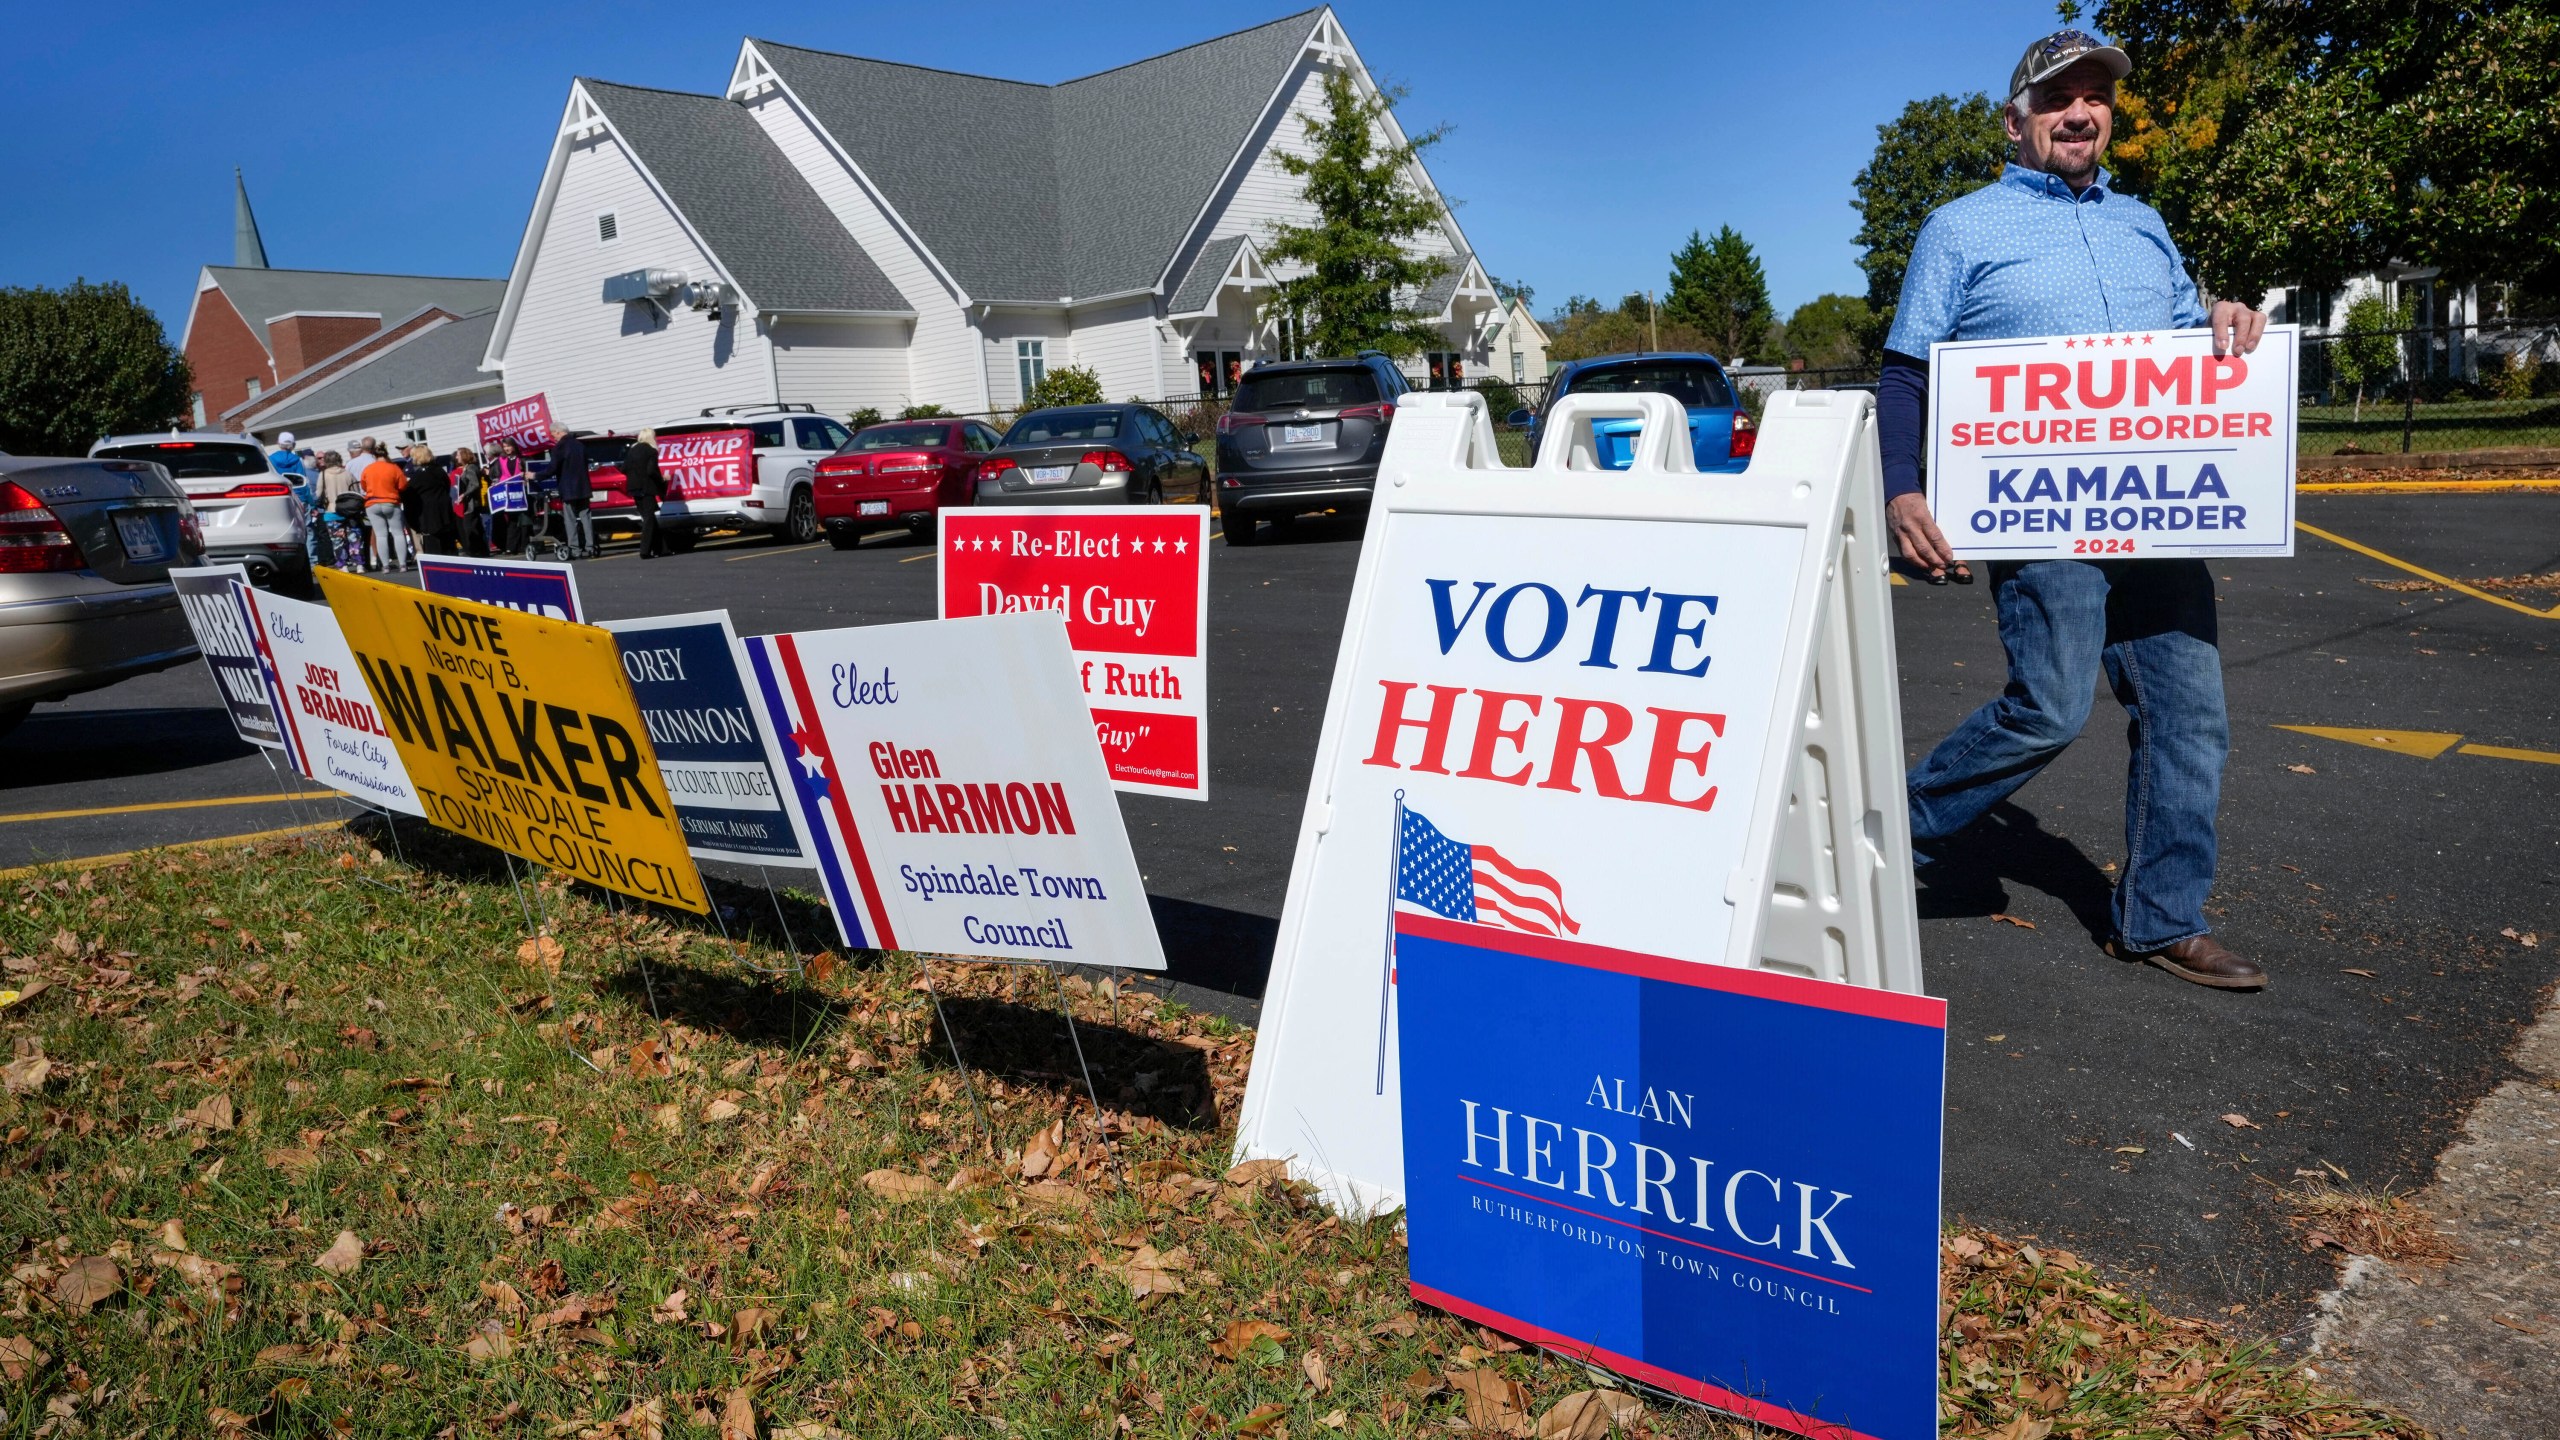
x=546, y=526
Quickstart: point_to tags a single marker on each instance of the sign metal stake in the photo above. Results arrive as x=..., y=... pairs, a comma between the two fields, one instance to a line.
x=1067, y=1008
x=951, y=1037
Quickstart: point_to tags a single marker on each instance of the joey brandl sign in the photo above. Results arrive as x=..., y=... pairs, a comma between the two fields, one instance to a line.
x=520, y=731
x=2095, y=446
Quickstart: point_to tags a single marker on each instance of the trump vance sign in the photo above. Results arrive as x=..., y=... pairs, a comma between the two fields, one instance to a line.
x=2113, y=445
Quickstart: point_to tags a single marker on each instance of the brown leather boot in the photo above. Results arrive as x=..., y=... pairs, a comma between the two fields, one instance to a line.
x=2200, y=959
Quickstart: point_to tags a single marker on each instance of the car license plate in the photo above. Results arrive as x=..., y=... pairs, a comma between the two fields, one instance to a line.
x=875, y=507
x=141, y=537
x=1050, y=474
x=1302, y=434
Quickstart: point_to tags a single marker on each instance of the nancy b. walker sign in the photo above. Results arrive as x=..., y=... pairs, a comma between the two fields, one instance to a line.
x=2086, y=446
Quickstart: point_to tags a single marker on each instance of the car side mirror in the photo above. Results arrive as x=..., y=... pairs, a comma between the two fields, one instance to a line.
x=1189, y=437
x=1519, y=417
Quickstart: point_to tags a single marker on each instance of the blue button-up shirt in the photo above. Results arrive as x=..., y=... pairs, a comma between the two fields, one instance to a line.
x=2028, y=257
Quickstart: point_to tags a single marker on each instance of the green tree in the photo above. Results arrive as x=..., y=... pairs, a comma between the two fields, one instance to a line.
x=2326, y=137
x=1935, y=151
x=1717, y=288
x=1356, y=279
x=2369, y=347
x=864, y=418
x=1065, y=385
x=82, y=362
x=1585, y=330
x=931, y=412
x=1829, y=332
x=1512, y=290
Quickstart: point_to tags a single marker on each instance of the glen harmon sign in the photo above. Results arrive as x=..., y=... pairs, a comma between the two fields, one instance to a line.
x=2110, y=446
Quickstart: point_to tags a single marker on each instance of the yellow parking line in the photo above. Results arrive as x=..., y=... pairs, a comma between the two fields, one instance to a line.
x=929, y=554
x=783, y=550
x=2422, y=487
x=274, y=799
x=2502, y=752
x=2425, y=574
x=92, y=862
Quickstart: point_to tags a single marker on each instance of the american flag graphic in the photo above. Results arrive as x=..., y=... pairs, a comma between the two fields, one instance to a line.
x=1475, y=882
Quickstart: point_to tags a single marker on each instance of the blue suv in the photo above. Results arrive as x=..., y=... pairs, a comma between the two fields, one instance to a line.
x=1719, y=432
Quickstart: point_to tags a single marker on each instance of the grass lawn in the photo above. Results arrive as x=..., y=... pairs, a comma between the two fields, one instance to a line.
x=304, y=1141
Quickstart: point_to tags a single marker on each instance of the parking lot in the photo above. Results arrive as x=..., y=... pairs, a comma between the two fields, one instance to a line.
x=2372, y=874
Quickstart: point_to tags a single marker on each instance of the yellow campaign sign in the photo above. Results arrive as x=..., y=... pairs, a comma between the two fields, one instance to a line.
x=520, y=731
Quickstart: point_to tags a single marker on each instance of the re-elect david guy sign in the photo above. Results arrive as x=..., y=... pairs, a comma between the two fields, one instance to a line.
x=1722, y=1182
x=520, y=731
x=223, y=626
x=954, y=799
x=2091, y=446
x=719, y=763
x=1133, y=585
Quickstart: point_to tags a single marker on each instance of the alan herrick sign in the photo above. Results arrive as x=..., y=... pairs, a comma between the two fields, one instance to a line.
x=1642, y=1162
x=2111, y=445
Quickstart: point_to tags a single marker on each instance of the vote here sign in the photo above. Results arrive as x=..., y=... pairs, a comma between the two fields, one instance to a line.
x=520, y=731
x=1133, y=585
x=953, y=796
x=2087, y=446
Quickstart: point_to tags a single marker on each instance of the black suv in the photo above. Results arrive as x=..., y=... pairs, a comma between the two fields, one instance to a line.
x=1303, y=435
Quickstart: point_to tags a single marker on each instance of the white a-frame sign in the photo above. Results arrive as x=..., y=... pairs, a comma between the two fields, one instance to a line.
x=1648, y=709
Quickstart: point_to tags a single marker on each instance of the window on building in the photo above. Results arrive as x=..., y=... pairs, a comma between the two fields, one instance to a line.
x=608, y=229
x=1447, y=371
x=1031, y=361
x=1519, y=367
x=195, y=407
x=255, y=388
x=1219, y=370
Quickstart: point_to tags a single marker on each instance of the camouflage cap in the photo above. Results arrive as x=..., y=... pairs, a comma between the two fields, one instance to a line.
x=2060, y=51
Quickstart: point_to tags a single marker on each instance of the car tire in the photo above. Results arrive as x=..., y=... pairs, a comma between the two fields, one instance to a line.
x=800, y=520
x=1155, y=493
x=1240, y=528
x=12, y=716
x=679, y=542
x=844, y=537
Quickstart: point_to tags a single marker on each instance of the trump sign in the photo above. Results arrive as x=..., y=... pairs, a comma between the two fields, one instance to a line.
x=1632, y=1160
x=1132, y=584
x=2147, y=443
x=527, y=422
x=709, y=465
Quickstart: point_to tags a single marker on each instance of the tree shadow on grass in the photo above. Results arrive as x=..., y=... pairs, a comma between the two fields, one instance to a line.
x=2011, y=844
x=1028, y=1043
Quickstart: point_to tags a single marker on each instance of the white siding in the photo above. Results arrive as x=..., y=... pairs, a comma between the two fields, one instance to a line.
x=619, y=367
x=1004, y=386
x=942, y=352
x=448, y=423
x=1118, y=342
x=842, y=365
x=1263, y=195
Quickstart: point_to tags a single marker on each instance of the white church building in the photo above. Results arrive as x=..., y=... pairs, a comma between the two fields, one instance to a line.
x=849, y=233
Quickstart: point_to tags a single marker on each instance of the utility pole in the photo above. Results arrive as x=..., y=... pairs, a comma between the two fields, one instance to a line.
x=1652, y=330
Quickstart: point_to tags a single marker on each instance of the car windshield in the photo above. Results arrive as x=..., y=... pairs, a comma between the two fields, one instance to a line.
x=1043, y=427
x=1696, y=387
x=194, y=459
x=898, y=437
x=1307, y=390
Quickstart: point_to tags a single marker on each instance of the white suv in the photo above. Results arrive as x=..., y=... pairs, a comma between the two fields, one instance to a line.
x=249, y=513
x=790, y=440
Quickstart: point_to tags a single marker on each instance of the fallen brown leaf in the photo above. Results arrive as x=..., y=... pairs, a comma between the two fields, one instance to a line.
x=489, y=1342
x=2014, y=920
x=20, y=1357
x=2238, y=1121
x=1312, y=1363
x=1240, y=1336
x=899, y=1186
x=343, y=1255
x=1494, y=1402
x=542, y=953
x=738, y=1415
x=88, y=1281
x=671, y=1311
x=1150, y=1273
x=2298, y=770
x=26, y=1074
x=1589, y=1415
x=1040, y=1155
x=1259, y=1418
x=820, y=966
x=1258, y=1172
x=718, y=1111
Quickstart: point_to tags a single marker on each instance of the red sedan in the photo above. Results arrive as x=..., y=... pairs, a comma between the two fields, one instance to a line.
x=901, y=472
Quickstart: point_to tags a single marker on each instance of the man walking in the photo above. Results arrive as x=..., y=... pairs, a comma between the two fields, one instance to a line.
x=2051, y=250
x=569, y=473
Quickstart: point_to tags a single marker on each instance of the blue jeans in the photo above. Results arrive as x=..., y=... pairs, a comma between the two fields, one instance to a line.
x=2150, y=624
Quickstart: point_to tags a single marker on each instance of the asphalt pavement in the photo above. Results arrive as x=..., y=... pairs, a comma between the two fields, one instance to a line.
x=2086, y=1096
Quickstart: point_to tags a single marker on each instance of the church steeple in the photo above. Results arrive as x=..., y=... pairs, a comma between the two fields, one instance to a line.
x=248, y=252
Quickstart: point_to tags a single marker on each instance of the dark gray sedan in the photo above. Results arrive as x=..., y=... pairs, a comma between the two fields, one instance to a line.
x=85, y=599
x=1093, y=455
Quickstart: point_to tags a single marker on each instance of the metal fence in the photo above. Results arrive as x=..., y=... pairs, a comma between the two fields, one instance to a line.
x=2434, y=388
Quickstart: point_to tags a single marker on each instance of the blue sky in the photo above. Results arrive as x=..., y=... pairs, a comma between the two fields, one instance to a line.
x=1586, y=141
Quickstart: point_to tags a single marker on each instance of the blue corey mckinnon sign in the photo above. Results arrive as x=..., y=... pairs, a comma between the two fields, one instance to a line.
x=722, y=768
x=1630, y=1159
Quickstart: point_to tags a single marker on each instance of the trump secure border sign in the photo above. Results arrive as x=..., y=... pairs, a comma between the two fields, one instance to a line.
x=2109, y=446
x=520, y=731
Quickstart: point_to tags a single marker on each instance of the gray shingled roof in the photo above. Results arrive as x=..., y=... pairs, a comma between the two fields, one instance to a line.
x=262, y=295
x=756, y=211
x=1033, y=192
x=1200, y=282
x=434, y=361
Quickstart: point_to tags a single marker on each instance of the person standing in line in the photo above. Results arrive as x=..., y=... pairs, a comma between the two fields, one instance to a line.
x=646, y=484
x=506, y=497
x=569, y=478
x=2052, y=249
x=430, y=489
x=341, y=513
x=471, y=501
x=383, y=483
